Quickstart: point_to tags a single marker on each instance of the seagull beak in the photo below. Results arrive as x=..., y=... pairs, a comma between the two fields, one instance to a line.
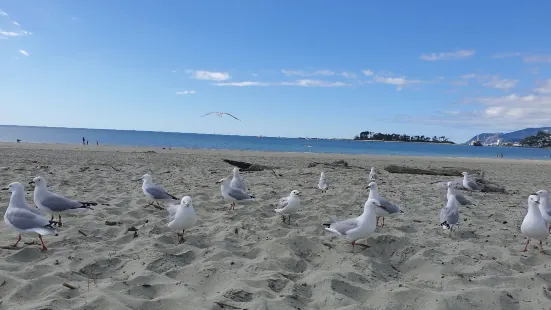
x=218, y=182
x=5, y=189
x=31, y=182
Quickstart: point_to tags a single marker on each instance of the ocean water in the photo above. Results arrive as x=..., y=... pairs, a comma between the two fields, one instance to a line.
x=248, y=143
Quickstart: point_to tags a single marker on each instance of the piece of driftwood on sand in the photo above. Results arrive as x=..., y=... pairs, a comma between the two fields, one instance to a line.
x=446, y=171
x=248, y=167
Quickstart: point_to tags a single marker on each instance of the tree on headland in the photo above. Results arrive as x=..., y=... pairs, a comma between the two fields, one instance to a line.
x=541, y=139
x=377, y=136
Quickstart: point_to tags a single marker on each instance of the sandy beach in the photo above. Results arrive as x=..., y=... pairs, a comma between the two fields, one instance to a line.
x=250, y=259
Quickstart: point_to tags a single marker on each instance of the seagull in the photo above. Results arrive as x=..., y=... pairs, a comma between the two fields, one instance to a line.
x=469, y=184
x=449, y=215
x=545, y=208
x=154, y=191
x=49, y=202
x=182, y=216
x=459, y=197
x=534, y=226
x=357, y=228
x=372, y=174
x=385, y=207
x=20, y=216
x=220, y=114
x=233, y=194
x=237, y=180
x=322, y=184
x=288, y=205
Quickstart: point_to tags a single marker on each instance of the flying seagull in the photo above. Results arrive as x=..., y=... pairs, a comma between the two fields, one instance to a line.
x=220, y=114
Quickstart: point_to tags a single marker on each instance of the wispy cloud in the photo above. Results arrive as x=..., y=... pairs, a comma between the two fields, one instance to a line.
x=2, y=13
x=349, y=75
x=186, y=92
x=24, y=53
x=17, y=24
x=526, y=57
x=460, y=54
x=19, y=32
x=538, y=59
x=545, y=88
x=399, y=82
x=14, y=33
x=507, y=55
x=307, y=73
x=300, y=83
x=490, y=81
x=368, y=72
x=209, y=75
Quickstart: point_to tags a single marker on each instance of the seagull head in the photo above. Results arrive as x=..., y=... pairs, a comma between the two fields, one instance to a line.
x=372, y=203
x=222, y=180
x=295, y=193
x=533, y=199
x=235, y=170
x=464, y=174
x=449, y=184
x=146, y=178
x=14, y=187
x=372, y=186
x=38, y=181
x=543, y=193
x=186, y=201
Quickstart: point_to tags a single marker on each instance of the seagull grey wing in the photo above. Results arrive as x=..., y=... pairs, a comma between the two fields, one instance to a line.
x=462, y=200
x=283, y=202
x=472, y=184
x=172, y=211
x=238, y=183
x=24, y=219
x=36, y=211
x=58, y=203
x=158, y=192
x=344, y=226
x=389, y=206
x=449, y=215
x=238, y=194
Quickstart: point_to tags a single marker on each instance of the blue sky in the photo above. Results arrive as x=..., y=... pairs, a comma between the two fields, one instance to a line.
x=285, y=68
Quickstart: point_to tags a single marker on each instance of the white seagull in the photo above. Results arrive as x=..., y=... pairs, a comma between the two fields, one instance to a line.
x=459, y=197
x=155, y=191
x=469, y=183
x=237, y=180
x=182, y=216
x=385, y=207
x=357, y=228
x=449, y=215
x=288, y=205
x=322, y=184
x=545, y=208
x=20, y=217
x=49, y=202
x=372, y=174
x=232, y=194
x=534, y=226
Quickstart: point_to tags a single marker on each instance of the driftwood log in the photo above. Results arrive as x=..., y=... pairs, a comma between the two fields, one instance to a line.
x=245, y=166
x=335, y=164
x=446, y=171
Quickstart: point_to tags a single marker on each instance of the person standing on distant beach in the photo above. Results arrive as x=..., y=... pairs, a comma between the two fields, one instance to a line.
x=97, y=142
x=83, y=141
x=86, y=142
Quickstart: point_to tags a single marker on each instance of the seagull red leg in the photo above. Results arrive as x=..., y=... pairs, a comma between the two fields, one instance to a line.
x=44, y=248
x=541, y=248
x=526, y=247
x=18, y=239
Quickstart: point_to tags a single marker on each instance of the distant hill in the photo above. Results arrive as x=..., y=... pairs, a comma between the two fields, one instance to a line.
x=514, y=136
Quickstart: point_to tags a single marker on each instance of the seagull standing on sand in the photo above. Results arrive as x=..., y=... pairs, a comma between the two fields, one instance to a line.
x=534, y=226
x=53, y=203
x=322, y=184
x=545, y=208
x=357, y=228
x=237, y=180
x=385, y=207
x=154, y=191
x=372, y=174
x=469, y=183
x=449, y=215
x=20, y=217
x=232, y=194
x=182, y=217
x=459, y=197
x=288, y=205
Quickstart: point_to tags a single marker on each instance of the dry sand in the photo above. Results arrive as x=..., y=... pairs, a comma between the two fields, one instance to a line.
x=248, y=258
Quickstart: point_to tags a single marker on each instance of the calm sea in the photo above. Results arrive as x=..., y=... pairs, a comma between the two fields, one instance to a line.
x=247, y=143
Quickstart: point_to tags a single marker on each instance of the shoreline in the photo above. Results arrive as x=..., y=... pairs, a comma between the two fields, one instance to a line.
x=255, y=153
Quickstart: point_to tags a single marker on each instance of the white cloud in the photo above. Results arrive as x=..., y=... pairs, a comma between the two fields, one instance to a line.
x=209, y=75
x=14, y=33
x=399, y=82
x=23, y=52
x=368, y=72
x=2, y=13
x=538, y=59
x=447, y=55
x=545, y=88
x=306, y=73
x=185, y=92
x=349, y=75
x=507, y=55
x=301, y=83
x=17, y=24
x=491, y=81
